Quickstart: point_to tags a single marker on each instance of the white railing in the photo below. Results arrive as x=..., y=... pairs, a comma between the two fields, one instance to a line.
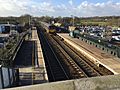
x=8, y=77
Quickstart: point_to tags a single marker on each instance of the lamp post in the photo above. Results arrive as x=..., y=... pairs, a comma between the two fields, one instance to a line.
x=73, y=19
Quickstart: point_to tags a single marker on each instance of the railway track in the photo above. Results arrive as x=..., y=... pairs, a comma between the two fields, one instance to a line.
x=101, y=69
x=25, y=62
x=76, y=71
x=55, y=70
x=63, y=62
x=86, y=68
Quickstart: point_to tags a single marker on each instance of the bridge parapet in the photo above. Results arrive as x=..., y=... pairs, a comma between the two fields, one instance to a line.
x=95, y=83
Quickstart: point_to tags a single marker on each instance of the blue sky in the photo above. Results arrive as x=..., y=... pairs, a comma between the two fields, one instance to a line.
x=76, y=2
x=81, y=8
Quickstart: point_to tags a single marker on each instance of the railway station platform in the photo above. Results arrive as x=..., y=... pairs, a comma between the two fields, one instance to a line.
x=30, y=62
x=94, y=54
x=39, y=59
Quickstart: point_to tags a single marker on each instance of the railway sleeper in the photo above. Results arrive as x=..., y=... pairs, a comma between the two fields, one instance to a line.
x=75, y=57
x=71, y=62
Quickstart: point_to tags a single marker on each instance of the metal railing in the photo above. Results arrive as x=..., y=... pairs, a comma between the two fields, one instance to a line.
x=102, y=43
x=8, y=77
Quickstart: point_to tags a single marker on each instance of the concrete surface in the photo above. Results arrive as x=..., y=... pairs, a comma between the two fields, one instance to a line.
x=94, y=54
x=96, y=83
x=29, y=73
x=40, y=57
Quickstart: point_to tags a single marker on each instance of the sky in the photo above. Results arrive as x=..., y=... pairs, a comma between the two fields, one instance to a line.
x=80, y=8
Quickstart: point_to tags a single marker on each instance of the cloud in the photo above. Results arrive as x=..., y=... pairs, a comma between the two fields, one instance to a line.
x=8, y=7
x=37, y=8
x=70, y=2
x=18, y=7
x=102, y=9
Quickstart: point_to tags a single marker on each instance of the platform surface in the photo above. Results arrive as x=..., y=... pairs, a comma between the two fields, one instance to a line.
x=94, y=54
x=40, y=58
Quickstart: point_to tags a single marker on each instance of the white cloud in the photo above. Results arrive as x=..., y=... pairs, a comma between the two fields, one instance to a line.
x=70, y=2
x=102, y=9
x=8, y=7
x=19, y=7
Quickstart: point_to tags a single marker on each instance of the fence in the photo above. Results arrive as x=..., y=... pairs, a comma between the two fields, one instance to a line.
x=109, y=48
x=8, y=77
